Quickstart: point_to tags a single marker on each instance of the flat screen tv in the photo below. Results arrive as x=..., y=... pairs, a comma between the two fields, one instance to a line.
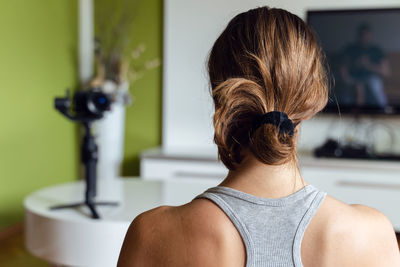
x=362, y=49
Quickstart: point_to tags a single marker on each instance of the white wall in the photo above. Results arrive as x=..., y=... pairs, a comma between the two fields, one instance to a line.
x=190, y=28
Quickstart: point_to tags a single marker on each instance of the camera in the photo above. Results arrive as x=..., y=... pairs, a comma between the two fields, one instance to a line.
x=86, y=105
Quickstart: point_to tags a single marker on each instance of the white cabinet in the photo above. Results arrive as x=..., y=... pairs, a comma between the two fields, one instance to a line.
x=375, y=187
x=372, y=183
x=157, y=164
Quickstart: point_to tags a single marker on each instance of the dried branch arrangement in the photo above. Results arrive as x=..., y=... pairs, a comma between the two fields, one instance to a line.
x=115, y=57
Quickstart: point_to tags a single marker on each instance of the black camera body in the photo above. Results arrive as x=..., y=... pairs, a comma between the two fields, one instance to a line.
x=86, y=105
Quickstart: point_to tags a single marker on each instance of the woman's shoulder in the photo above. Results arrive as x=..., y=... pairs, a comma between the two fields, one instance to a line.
x=344, y=217
x=196, y=232
x=362, y=235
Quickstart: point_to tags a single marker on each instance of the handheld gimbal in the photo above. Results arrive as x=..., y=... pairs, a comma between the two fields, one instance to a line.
x=87, y=106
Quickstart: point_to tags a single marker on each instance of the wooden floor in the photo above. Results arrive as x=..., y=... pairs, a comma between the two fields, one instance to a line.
x=14, y=254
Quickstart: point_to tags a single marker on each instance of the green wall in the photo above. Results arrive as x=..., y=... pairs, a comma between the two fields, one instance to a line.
x=37, y=62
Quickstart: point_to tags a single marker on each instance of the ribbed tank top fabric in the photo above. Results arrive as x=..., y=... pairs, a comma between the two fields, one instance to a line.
x=271, y=228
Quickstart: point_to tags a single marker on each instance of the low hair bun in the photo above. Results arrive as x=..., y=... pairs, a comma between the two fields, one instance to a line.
x=271, y=147
x=239, y=103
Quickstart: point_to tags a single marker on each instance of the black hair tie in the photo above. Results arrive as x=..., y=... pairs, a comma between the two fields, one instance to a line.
x=277, y=118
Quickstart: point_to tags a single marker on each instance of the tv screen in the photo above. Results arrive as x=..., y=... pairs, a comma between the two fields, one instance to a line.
x=362, y=49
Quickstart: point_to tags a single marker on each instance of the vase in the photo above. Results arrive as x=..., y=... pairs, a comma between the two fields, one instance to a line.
x=110, y=132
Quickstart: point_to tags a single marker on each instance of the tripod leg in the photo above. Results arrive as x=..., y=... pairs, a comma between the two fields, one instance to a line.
x=100, y=203
x=67, y=206
x=92, y=208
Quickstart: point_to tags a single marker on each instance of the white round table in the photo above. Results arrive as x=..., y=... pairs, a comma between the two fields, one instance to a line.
x=70, y=237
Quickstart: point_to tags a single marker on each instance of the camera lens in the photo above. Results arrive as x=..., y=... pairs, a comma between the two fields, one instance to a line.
x=98, y=102
x=102, y=100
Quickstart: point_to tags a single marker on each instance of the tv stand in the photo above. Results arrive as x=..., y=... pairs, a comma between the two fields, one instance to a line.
x=332, y=149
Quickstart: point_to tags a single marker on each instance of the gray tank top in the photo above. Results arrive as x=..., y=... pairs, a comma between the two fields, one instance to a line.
x=271, y=228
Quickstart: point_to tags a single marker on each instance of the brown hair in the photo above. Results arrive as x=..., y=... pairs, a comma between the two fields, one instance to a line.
x=265, y=60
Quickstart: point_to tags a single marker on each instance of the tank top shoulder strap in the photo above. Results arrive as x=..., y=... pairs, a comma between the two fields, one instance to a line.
x=212, y=195
x=305, y=221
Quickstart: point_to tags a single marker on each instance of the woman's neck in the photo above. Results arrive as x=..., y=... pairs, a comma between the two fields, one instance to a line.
x=268, y=181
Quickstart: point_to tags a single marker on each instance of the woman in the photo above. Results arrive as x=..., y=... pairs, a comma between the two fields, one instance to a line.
x=267, y=76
